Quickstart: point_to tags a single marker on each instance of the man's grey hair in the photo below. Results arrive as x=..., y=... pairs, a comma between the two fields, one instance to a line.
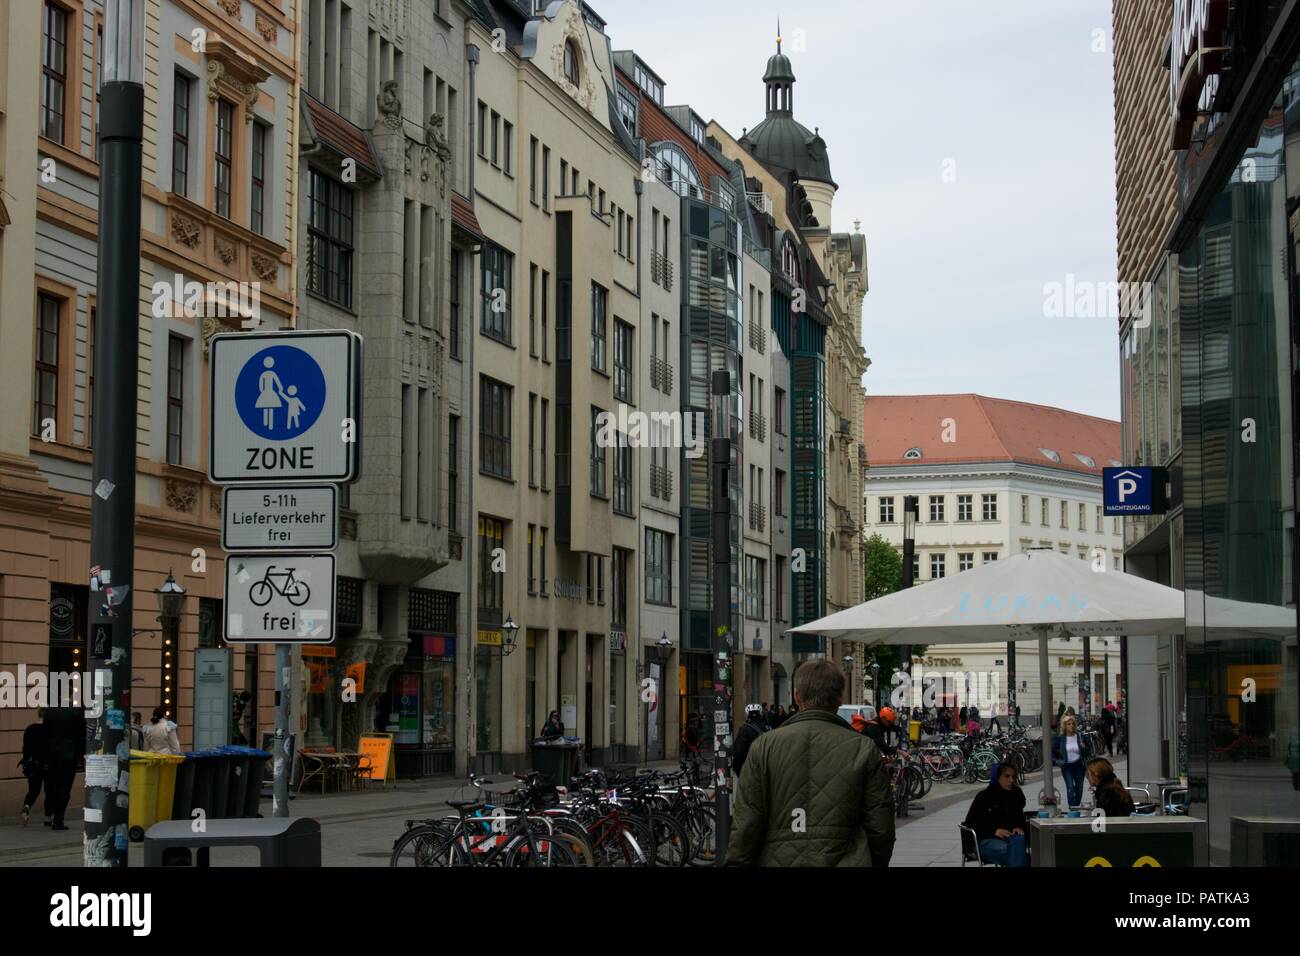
x=819, y=685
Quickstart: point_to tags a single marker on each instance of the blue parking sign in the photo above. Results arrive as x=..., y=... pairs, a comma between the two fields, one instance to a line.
x=1130, y=490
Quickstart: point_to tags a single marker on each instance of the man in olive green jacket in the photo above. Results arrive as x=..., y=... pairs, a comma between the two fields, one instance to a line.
x=814, y=792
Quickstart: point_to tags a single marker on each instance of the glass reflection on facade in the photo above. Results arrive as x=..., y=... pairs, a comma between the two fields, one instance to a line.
x=1238, y=523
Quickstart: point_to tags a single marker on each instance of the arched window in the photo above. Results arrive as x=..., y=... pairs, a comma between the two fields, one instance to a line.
x=790, y=262
x=676, y=168
x=571, y=62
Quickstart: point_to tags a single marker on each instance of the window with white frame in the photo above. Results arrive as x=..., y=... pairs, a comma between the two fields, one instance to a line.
x=936, y=507
x=989, y=504
x=937, y=565
x=887, y=510
x=965, y=508
x=965, y=560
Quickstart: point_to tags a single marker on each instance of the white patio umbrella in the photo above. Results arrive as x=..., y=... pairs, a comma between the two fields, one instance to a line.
x=1031, y=596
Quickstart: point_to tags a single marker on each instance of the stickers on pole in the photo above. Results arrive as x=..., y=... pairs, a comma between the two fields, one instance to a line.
x=284, y=406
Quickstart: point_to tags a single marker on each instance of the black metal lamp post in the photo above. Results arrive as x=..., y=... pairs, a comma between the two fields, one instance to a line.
x=112, y=502
x=510, y=632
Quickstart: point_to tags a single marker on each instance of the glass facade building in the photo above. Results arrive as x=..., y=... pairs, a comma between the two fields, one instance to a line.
x=1209, y=392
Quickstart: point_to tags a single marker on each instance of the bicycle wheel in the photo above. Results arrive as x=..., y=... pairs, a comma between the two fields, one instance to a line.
x=550, y=852
x=300, y=594
x=573, y=835
x=620, y=847
x=701, y=826
x=261, y=593
x=427, y=845
x=668, y=844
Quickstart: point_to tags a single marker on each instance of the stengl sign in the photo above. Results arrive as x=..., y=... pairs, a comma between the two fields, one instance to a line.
x=1196, y=56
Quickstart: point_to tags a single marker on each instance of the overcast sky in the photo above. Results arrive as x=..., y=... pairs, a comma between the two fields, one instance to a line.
x=1007, y=98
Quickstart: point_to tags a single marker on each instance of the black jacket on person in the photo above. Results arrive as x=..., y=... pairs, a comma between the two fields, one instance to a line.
x=749, y=731
x=1113, y=802
x=553, y=728
x=35, y=749
x=996, y=809
x=879, y=735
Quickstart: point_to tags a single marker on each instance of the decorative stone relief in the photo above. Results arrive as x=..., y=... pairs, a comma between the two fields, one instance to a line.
x=214, y=501
x=265, y=267
x=266, y=27
x=390, y=104
x=185, y=230
x=218, y=75
x=225, y=249
x=180, y=495
x=211, y=326
x=231, y=7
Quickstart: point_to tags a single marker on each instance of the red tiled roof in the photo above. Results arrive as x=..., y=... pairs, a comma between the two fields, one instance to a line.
x=462, y=215
x=985, y=430
x=340, y=135
x=656, y=125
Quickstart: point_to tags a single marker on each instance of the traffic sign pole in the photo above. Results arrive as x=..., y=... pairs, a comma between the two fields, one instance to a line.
x=281, y=758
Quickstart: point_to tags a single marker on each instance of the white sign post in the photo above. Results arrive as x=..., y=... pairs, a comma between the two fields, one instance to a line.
x=284, y=406
x=279, y=518
x=279, y=598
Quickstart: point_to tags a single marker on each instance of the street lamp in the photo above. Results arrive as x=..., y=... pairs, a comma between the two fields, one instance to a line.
x=120, y=137
x=510, y=630
x=875, y=681
x=171, y=598
x=847, y=661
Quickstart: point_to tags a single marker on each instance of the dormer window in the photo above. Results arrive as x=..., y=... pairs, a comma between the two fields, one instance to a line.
x=570, y=62
x=912, y=454
x=1048, y=453
x=1087, y=460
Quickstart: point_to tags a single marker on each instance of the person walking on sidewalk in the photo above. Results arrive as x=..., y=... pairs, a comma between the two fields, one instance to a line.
x=753, y=727
x=1108, y=728
x=1071, y=752
x=817, y=793
x=160, y=735
x=997, y=815
x=33, y=763
x=65, y=738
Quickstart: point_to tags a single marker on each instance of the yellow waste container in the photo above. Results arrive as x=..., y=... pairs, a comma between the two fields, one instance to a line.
x=914, y=731
x=153, y=785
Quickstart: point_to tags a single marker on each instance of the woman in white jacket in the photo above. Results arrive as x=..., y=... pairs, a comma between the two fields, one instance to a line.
x=160, y=735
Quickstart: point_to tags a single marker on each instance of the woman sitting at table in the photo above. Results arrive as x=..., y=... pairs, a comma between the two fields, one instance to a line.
x=1110, y=796
x=997, y=815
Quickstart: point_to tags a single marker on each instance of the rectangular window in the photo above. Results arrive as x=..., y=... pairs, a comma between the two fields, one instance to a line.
x=546, y=411
x=532, y=419
x=45, y=391
x=599, y=325
x=494, y=434
x=755, y=588
x=990, y=556
x=496, y=138
x=491, y=584
x=658, y=568
x=532, y=309
x=887, y=510
x=541, y=553
x=329, y=239
x=1043, y=515
x=1024, y=509
x=482, y=129
x=916, y=568
x=546, y=178
x=546, y=311
x=600, y=581
x=453, y=472
x=54, y=72
x=590, y=565
x=618, y=587
x=455, y=303
x=936, y=565
x=1099, y=531
x=779, y=493
x=936, y=507
x=622, y=361
x=965, y=508
x=778, y=412
x=618, y=235
x=497, y=268
x=225, y=154
x=597, y=455
x=257, y=217
x=175, y=399
x=989, y=505
x=564, y=175
x=507, y=147
x=181, y=135
x=1083, y=517
x=965, y=560
x=532, y=169
x=1065, y=515
x=623, y=476
x=532, y=581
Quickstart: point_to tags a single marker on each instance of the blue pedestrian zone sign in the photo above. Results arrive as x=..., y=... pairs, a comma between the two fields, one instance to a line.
x=285, y=406
x=1133, y=490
